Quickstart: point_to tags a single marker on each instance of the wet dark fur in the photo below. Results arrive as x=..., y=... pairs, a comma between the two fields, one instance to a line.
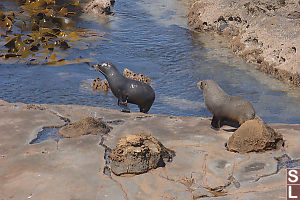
x=127, y=90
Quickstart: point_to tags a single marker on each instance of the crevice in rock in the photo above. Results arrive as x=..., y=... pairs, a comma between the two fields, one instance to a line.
x=107, y=169
x=114, y=122
x=186, y=182
x=283, y=162
x=40, y=107
x=65, y=119
x=214, y=191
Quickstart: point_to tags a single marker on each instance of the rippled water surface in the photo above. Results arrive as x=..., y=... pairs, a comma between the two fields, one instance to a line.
x=151, y=37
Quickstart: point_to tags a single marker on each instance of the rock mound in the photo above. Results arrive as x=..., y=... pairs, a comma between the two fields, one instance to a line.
x=86, y=126
x=254, y=135
x=99, y=7
x=99, y=85
x=136, y=154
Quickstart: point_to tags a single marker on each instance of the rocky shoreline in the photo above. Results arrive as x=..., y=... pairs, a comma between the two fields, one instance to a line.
x=263, y=32
x=76, y=166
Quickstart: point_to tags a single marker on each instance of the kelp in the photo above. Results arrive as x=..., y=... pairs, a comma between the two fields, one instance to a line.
x=40, y=31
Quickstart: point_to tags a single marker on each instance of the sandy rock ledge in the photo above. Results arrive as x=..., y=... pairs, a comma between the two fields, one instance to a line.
x=72, y=168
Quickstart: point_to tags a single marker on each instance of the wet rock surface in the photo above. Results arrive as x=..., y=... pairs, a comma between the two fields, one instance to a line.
x=254, y=135
x=263, y=32
x=136, y=154
x=86, y=126
x=72, y=168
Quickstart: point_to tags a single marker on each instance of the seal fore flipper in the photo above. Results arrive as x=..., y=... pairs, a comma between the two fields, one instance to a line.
x=123, y=104
x=215, y=123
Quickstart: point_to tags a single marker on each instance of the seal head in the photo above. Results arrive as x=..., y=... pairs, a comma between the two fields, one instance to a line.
x=127, y=90
x=107, y=69
x=225, y=107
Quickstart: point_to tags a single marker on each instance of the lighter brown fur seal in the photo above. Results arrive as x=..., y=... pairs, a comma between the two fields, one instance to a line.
x=223, y=106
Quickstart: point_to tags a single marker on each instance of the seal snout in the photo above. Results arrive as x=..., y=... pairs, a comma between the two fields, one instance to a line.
x=95, y=66
x=200, y=85
x=98, y=66
x=102, y=67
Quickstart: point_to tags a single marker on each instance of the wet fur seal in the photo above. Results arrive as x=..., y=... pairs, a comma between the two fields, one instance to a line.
x=127, y=90
x=223, y=106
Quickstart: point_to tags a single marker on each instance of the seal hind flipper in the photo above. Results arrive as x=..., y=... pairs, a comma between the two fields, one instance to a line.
x=144, y=109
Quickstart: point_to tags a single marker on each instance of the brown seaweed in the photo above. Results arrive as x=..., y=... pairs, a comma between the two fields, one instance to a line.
x=41, y=27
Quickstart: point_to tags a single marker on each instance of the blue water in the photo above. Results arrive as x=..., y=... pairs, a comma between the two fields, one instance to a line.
x=45, y=134
x=150, y=38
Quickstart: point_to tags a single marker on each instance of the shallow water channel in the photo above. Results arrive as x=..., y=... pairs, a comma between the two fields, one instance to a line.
x=151, y=37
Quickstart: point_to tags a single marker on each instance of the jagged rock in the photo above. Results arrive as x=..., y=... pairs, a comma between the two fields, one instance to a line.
x=99, y=7
x=140, y=77
x=254, y=135
x=136, y=154
x=86, y=126
x=99, y=85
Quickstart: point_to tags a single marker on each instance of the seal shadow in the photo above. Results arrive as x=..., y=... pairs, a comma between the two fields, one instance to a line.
x=234, y=126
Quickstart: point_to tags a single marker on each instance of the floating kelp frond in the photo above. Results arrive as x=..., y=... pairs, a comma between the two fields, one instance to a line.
x=32, y=34
x=69, y=62
x=5, y=21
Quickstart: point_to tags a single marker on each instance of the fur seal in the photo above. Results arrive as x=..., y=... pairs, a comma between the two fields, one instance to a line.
x=127, y=90
x=223, y=106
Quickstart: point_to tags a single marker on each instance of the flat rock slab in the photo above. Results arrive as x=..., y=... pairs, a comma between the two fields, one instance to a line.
x=72, y=168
